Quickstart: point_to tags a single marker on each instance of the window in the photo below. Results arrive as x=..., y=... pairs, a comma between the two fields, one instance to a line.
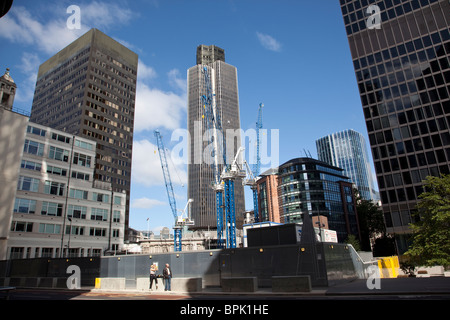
x=78, y=194
x=99, y=214
x=78, y=212
x=51, y=209
x=116, y=233
x=28, y=184
x=100, y=197
x=84, y=145
x=118, y=200
x=37, y=131
x=20, y=226
x=49, y=228
x=33, y=147
x=80, y=175
x=55, y=188
x=97, y=232
x=116, y=216
x=56, y=170
x=58, y=154
x=76, y=230
x=82, y=160
x=31, y=165
x=61, y=138
x=24, y=206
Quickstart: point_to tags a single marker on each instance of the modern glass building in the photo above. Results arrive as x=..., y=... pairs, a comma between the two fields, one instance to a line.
x=347, y=150
x=200, y=170
x=400, y=52
x=89, y=89
x=309, y=186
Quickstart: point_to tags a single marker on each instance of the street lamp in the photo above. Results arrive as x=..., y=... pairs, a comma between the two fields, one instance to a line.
x=70, y=232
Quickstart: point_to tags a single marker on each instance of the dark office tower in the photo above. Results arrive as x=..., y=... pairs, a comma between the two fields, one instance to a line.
x=88, y=89
x=200, y=172
x=401, y=60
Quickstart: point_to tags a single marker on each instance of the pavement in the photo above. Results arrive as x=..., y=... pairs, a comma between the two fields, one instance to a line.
x=438, y=286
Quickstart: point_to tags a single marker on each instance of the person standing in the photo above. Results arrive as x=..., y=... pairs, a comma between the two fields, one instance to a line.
x=153, y=270
x=167, y=275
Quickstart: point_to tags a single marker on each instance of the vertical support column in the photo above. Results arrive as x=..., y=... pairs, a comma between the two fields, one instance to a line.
x=230, y=213
x=219, y=211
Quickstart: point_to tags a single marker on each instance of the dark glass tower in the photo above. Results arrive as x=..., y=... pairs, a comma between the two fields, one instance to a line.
x=401, y=60
x=88, y=89
x=200, y=173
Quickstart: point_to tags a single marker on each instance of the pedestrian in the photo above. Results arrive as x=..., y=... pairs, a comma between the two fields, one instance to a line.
x=153, y=270
x=167, y=275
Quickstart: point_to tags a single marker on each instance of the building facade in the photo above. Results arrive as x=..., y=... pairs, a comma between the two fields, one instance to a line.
x=59, y=210
x=7, y=90
x=267, y=188
x=347, y=150
x=309, y=186
x=88, y=89
x=401, y=61
x=200, y=171
x=12, y=137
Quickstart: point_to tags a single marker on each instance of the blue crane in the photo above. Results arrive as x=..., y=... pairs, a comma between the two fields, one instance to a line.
x=223, y=180
x=259, y=125
x=180, y=221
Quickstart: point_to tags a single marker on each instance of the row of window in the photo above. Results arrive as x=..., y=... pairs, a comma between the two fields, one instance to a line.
x=28, y=206
x=59, y=137
x=48, y=228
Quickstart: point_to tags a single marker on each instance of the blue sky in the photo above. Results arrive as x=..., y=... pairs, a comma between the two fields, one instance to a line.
x=291, y=55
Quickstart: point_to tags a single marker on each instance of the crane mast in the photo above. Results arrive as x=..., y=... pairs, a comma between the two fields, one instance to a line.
x=180, y=221
x=223, y=181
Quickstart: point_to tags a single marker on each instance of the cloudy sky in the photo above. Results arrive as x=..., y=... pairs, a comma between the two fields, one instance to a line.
x=291, y=55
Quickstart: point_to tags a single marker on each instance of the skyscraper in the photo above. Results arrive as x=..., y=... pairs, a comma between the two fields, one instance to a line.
x=88, y=89
x=400, y=52
x=200, y=172
x=347, y=150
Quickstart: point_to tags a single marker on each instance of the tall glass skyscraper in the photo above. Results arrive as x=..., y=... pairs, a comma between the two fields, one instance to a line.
x=310, y=186
x=224, y=84
x=401, y=52
x=347, y=150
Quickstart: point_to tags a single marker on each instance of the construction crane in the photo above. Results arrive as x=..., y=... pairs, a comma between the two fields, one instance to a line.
x=253, y=176
x=223, y=181
x=180, y=220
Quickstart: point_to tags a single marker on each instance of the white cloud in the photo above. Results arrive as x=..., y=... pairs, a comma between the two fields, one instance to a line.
x=145, y=72
x=147, y=169
x=157, y=109
x=268, y=42
x=146, y=203
x=52, y=34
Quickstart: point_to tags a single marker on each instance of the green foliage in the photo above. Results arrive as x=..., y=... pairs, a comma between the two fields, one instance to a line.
x=431, y=234
x=351, y=239
x=370, y=219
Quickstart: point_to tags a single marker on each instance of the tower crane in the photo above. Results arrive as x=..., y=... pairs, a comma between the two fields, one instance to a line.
x=184, y=219
x=253, y=176
x=223, y=181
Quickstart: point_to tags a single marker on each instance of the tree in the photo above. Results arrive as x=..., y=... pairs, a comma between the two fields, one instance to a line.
x=371, y=222
x=431, y=233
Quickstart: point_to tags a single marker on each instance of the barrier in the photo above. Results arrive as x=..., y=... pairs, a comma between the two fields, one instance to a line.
x=239, y=284
x=177, y=284
x=291, y=283
x=388, y=267
x=110, y=284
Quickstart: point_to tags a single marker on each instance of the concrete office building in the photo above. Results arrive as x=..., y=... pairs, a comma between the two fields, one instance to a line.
x=88, y=89
x=58, y=209
x=401, y=60
x=347, y=150
x=200, y=173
